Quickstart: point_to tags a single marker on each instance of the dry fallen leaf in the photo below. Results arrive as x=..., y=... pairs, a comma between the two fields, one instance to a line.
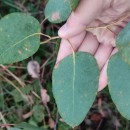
x=116, y=122
x=45, y=96
x=27, y=115
x=33, y=68
x=52, y=123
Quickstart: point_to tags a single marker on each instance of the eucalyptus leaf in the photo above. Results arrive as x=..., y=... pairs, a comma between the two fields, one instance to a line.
x=119, y=84
x=123, y=43
x=123, y=38
x=19, y=37
x=75, y=84
x=58, y=11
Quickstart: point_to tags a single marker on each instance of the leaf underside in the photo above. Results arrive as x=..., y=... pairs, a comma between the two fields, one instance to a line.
x=75, y=83
x=16, y=37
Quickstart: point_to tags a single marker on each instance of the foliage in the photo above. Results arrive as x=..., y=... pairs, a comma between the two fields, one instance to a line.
x=17, y=33
x=75, y=90
x=21, y=99
x=119, y=67
x=60, y=11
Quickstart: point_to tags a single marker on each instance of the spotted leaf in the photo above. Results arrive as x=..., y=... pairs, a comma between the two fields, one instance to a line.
x=59, y=10
x=18, y=37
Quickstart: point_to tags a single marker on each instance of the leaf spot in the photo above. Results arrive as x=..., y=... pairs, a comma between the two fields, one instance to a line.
x=61, y=91
x=26, y=49
x=55, y=16
x=127, y=104
x=120, y=92
x=20, y=52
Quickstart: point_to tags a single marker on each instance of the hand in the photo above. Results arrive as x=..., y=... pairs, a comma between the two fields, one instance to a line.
x=99, y=42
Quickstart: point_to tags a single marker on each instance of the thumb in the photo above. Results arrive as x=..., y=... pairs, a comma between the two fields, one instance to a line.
x=84, y=14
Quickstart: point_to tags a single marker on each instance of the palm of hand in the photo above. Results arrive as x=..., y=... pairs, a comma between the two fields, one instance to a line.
x=98, y=42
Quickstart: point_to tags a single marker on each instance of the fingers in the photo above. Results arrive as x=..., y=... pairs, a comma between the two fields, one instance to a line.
x=65, y=48
x=103, y=78
x=90, y=44
x=85, y=13
x=102, y=54
x=103, y=74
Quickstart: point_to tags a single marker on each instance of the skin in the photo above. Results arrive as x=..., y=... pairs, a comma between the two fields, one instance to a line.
x=98, y=42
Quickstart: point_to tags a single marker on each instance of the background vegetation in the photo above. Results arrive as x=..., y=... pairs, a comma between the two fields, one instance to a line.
x=20, y=95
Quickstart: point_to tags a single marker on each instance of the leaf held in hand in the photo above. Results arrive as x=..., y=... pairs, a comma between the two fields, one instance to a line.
x=75, y=84
x=19, y=37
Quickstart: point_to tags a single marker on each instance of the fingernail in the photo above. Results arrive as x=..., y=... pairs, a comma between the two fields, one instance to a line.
x=62, y=31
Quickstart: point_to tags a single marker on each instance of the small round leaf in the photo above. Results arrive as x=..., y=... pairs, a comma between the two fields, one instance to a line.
x=57, y=11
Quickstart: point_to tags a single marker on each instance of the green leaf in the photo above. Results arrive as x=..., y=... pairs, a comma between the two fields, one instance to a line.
x=74, y=4
x=119, y=84
x=38, y=113
x=58, y=11
x=75, y=84
x=18, y=97
x=18, y=38
x=26, y=126
x=123, y=38
x=123, y=43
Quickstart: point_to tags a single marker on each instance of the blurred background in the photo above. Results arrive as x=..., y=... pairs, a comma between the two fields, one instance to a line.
x=29, y=101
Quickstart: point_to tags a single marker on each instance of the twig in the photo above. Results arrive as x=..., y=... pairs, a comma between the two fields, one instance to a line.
x=109, y=25
x=5, y=125
x=11, y=83
x=3, y=120
x=36, y=95
x=50, y=38
x=43, y=21
x=17, y=67
x=57, y=116
x=45, y=63
x=99, y=125
x=14, y=76
x=21, y=7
